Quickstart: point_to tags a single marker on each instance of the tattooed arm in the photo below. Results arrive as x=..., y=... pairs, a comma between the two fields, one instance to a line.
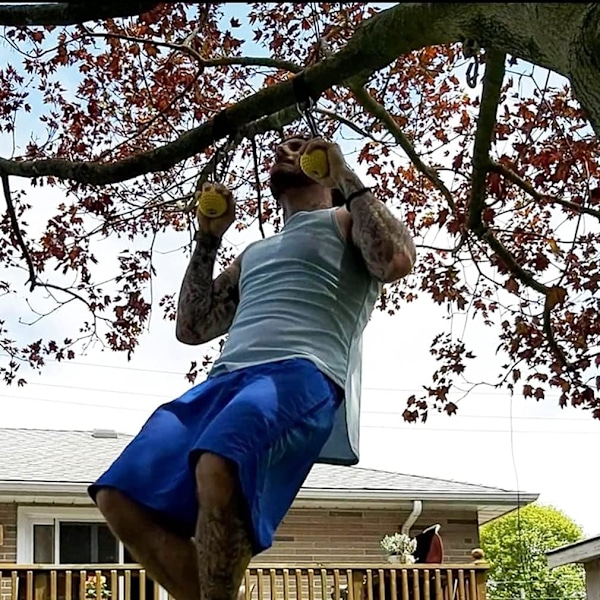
x=384, y=242
x=206, y=308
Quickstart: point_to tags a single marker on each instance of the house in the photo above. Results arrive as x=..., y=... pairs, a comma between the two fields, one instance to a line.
x=586, y=552
x=338, y=518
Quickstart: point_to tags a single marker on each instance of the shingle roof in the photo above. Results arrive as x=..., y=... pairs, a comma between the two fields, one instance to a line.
x=54, y=456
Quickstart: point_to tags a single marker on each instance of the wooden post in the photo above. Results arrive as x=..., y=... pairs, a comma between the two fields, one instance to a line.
x=357, y=584
x=40, y=585
x=481, y=576
x=592, y=579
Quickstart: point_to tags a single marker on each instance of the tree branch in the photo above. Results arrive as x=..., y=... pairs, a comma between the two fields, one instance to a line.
x=490, y=97
x=69, y=13
x=185, y=48
x=375, y=43
x=529, y=189
x=482, y=164
x=380, y=113
x=347, y=122
x=486, y=120
x=12, y=215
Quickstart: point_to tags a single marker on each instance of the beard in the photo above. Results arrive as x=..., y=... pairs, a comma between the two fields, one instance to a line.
x=285, y=177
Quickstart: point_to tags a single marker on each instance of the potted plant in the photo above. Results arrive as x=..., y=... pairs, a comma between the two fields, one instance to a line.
x=91, y=588
x=399, y=547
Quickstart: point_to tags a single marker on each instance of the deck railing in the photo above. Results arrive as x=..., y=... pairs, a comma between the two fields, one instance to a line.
x=277, y=582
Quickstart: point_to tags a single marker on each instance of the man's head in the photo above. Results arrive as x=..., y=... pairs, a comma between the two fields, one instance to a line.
x=286, y=174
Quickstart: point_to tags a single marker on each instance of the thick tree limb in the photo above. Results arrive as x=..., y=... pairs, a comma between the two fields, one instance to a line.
x=486, y=120
x=490, y=97
x=69, y=13
x=508, y=27
x=482, y=163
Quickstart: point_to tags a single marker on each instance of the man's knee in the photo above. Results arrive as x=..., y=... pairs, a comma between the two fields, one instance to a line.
x=216, y=480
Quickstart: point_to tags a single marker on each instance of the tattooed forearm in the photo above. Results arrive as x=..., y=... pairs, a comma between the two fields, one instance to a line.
x=206, y=308
x=385, y=243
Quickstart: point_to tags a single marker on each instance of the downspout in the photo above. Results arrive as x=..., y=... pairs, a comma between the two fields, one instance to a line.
x=414, y=515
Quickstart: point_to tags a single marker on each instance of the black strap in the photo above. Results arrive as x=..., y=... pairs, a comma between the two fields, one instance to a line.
x=355, y=195
x=302, y=91
x=221, y=126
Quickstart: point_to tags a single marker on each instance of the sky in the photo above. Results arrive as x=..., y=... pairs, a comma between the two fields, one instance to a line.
x=517, y=443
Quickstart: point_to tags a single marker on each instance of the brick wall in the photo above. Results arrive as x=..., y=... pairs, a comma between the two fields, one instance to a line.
x=8, y=520
x=330, y=536
x=8, y=549
x=311, y=535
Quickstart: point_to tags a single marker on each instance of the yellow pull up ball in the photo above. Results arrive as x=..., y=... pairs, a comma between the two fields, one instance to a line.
x=212, y=204
x=315, y=164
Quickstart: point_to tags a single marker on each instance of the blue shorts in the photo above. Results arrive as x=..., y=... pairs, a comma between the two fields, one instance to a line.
x=271, y=420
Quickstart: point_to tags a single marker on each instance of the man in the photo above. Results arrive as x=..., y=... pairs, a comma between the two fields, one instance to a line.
x=210, y=476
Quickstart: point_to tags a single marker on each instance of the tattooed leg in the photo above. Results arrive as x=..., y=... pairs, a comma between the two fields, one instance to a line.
x=169, y=559
x=222, y=535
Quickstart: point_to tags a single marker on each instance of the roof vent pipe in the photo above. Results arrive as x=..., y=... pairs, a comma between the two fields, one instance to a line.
x=414, y=515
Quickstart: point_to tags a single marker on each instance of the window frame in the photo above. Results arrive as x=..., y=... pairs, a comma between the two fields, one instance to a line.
x=28, y=516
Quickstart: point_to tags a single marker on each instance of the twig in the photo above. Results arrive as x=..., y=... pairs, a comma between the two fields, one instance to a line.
x=347, y=122
x=15, y=226
x=153, y=120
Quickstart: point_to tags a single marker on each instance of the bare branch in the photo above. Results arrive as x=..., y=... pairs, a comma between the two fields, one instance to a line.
x=482, y=164
x=490, y=97
x=69, y=13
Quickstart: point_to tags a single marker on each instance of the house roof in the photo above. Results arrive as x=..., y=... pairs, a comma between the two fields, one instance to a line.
x=579, y=552
x=35, y=461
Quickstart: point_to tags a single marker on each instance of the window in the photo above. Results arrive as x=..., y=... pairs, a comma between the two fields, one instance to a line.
x=66, y=536
x=53, y=535
x=89, y=543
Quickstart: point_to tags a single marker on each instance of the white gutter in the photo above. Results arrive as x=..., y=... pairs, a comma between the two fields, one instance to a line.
x=408, y=495
x=414, y=515
x=42, y=487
